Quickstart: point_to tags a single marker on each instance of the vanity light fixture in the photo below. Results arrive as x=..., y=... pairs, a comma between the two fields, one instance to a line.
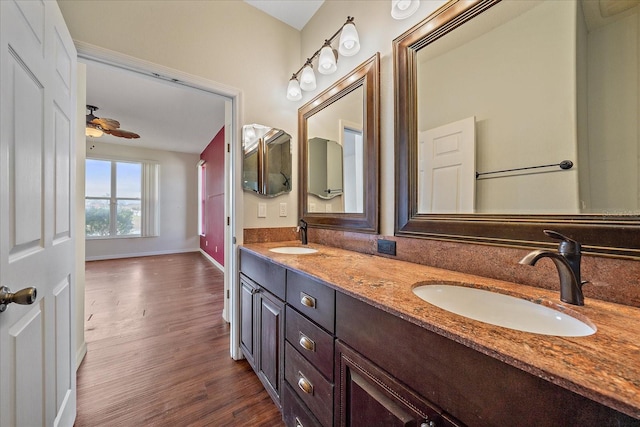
x=308, y=78
x=305, y=78
x=402, y=9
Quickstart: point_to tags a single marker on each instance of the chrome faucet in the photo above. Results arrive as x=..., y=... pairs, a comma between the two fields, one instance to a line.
x=567, y=261
x=302, y=229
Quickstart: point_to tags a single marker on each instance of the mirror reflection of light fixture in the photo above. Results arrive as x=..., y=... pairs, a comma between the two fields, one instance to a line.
x=349, y=45
x=93, y=132
x=402, y=9
x=308, y=78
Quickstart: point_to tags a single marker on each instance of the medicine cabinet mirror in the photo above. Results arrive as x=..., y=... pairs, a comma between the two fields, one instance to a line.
x=339, y=133
x=553, y=117
x=266, y=165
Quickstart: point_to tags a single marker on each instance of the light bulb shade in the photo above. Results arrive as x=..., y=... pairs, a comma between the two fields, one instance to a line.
x=293, y=90
x=93, y=132
x=307, y=78
x=327, y=61
x=401, y=9
x=349, y=40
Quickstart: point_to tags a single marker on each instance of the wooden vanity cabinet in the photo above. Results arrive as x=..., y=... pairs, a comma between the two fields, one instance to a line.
x=262, y=320
x=467, y=386
x=370, y=396
x=309, y=351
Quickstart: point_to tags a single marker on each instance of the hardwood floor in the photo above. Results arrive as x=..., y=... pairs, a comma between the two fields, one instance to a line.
x=158, y=349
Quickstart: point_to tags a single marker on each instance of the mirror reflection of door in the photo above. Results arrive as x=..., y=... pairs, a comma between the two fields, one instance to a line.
x=353, y=166
x=336, y=156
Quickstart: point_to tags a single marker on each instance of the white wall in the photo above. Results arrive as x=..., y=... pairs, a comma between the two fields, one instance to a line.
x=178, y=194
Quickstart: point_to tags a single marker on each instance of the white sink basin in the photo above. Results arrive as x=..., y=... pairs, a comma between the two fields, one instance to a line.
x=293, y=250
x=503, y=310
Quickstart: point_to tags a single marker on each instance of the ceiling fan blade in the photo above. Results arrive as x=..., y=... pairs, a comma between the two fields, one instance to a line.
x=106, y=124
x=122, y=133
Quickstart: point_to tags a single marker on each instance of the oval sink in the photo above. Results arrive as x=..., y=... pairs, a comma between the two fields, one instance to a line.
x=503, y=310
x=293, y=250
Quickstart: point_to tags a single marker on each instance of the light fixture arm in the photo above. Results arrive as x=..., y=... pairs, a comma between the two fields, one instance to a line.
x=327, y=42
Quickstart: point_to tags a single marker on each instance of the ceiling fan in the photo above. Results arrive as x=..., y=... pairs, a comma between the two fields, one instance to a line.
x=96, y=126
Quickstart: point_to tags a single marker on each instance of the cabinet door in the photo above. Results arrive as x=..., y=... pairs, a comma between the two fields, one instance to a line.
x=247, y=319
x=269, y=362
x=369, y=396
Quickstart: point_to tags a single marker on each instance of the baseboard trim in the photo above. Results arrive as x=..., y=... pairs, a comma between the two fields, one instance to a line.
x=80, y=354
x=138, y=254
x=212, y=261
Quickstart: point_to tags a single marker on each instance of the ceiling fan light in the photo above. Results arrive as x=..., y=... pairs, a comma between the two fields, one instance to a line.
x=402, y=9
x=93, y=132
x=327, y=61
x=293, y=90
x=308, y=78
x=349, y=40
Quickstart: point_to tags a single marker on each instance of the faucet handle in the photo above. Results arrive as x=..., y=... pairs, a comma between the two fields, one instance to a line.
x=567, y=245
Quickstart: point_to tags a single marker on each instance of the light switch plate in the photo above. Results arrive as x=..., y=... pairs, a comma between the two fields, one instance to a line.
x=262, y=210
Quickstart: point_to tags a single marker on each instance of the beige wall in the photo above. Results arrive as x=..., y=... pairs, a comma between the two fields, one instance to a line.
x=376, y=29
x=506, y=78
x=228, y=42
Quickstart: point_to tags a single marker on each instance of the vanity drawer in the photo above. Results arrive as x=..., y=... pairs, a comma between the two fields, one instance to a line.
x=309, y=384
x=314, y=343
x=312, y=298
x=294, y=412
x=270, y=276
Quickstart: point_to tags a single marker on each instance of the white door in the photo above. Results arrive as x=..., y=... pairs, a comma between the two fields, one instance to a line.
x=37, y=128
x=447, y=168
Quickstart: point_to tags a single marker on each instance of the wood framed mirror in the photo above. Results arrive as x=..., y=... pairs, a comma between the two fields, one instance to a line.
x=339, y=133
x=602, y=208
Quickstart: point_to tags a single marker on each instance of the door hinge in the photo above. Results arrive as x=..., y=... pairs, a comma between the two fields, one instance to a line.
x=228, y=294
x=228, y=148
x=228, y=221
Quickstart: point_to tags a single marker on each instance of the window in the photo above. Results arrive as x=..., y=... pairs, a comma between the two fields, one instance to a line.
x=120, y=199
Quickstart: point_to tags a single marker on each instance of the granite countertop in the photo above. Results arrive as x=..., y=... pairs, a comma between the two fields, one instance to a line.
x=604, y=367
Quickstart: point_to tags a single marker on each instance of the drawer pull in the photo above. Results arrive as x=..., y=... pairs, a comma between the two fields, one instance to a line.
x=307, y=343
x=304, y=384
x=298, y=423
x=307, y=300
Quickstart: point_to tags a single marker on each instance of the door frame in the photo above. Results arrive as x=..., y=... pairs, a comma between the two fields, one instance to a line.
x=233, y=166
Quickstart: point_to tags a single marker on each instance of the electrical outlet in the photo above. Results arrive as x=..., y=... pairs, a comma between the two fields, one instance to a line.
x=328, y=207
x=262, y=210
x=386, y=247
x=283, y=209
x=312, y=207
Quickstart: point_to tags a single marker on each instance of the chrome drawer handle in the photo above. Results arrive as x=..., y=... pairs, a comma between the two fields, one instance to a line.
x=307, y=300
x=304, y=384
x=307, y=343
x=298, y=423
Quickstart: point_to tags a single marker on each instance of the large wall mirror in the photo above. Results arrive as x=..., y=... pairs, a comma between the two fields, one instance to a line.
x=339, y=135
x=518, y=115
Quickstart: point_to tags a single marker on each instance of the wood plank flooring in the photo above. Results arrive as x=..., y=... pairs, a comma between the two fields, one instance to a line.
x=158, y=349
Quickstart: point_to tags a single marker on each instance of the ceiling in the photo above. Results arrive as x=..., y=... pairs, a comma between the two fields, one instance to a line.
x=296, y=13
x=167, y=115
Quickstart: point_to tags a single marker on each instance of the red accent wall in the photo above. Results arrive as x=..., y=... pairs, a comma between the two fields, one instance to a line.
x=213, y=216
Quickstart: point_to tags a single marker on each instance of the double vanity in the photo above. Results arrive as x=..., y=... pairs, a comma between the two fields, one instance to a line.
x=331, y=331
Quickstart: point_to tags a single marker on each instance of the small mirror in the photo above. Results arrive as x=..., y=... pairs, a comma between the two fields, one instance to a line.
x=266, y=166
x=339, y=134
